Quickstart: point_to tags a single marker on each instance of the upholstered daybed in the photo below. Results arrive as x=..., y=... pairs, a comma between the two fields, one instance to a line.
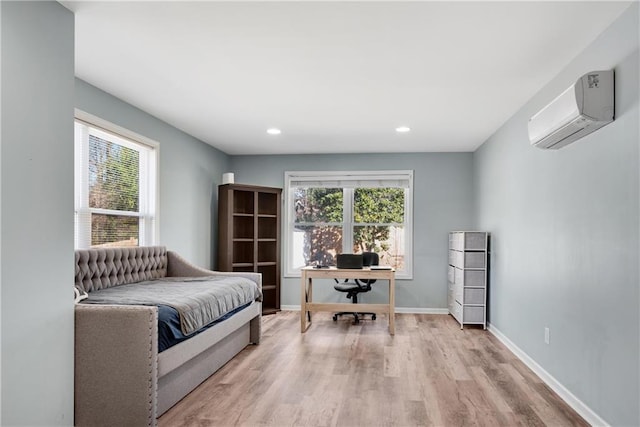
x=121, y=379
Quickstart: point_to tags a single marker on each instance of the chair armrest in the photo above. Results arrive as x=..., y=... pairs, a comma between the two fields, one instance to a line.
x=180, y=267
x=116, y=364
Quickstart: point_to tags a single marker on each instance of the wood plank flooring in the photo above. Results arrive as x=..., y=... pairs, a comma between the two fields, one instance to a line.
x=430, y=373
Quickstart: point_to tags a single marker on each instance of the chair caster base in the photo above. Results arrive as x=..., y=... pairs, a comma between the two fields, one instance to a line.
x=356, y=316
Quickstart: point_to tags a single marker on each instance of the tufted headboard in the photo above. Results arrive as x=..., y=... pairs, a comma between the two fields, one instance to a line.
x=106, y=267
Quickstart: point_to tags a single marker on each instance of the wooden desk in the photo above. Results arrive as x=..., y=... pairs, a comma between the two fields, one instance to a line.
x=306, y=292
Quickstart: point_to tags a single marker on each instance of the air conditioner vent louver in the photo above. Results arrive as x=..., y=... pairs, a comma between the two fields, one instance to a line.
x=581, y=109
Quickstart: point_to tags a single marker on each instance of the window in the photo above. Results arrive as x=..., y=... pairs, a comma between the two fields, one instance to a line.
x=328, y=213
x=115, y=187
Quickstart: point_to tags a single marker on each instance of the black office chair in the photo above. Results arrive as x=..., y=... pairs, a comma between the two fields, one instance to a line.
x=357, y=286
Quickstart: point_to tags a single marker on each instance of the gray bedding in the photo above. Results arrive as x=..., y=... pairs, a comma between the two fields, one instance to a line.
x=198, y=300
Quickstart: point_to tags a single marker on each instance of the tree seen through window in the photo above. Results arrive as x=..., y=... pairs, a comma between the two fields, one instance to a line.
x=376, y=223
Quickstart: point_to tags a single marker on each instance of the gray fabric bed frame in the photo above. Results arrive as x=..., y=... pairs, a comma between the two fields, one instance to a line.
x=120, y=379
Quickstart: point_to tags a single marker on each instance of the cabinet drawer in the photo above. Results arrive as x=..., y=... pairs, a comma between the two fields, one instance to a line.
x=453, y=257
x=473, y=314
x=475, y=241
x=473, y=296
x=456, y=258
x=475, y=278
x=467, y=259
x=468, y=240
x=456, y=241
x=474, y=260
x=451, y=274
x=458, y=293
x=458, y=276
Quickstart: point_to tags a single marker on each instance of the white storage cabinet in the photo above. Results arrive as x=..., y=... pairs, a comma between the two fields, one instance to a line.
x=467, y=276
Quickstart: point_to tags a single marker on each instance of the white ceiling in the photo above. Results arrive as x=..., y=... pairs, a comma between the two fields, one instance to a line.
x=335, y=77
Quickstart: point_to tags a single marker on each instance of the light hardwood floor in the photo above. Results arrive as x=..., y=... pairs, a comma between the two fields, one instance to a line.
x=430, y=373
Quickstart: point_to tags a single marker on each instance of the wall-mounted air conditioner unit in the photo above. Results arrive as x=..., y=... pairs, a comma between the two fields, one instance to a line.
x=581, y=109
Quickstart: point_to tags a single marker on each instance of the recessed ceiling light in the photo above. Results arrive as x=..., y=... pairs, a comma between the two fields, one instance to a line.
x=274, y=131
x=403, y=129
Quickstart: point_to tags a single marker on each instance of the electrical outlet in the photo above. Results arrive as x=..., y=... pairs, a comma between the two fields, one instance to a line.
x=546, y=335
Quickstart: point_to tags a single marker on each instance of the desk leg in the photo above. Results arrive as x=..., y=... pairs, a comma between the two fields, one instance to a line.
x=303, y=302
x=305, y=295
x=309, y=296
x=392, y=305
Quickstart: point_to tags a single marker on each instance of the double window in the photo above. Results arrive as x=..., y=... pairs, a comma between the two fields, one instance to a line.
x=328, y=213
x=115, y=188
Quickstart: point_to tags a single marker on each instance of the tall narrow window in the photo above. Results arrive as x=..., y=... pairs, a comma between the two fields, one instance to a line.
x=328, y=213
x=115, y=180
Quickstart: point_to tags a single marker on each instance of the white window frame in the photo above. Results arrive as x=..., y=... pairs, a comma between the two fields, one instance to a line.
x=326, y=179
x=148, y=184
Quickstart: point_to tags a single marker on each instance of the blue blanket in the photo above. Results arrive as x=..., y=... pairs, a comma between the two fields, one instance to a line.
x=169, y=331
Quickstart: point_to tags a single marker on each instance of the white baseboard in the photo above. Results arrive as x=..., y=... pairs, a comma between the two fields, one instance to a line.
x=418, y=310
x=289, y=307
x=580, y=407
x=408, y=310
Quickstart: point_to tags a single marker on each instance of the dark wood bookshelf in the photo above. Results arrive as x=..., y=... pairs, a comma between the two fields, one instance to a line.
x=249, y=236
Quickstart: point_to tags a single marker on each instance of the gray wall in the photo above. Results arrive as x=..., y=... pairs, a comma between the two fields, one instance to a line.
x=442, y=202
x=189, y=174
x=37, y=214
x=565, y=237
